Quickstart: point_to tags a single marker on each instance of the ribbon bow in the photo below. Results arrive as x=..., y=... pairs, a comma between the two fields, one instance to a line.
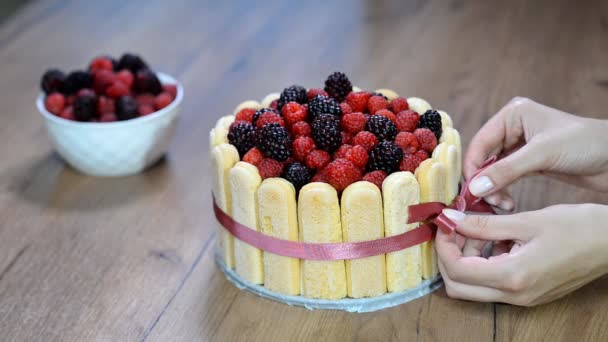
x=465, y=201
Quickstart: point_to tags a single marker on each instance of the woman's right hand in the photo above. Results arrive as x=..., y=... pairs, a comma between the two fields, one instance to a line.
x=530, y=138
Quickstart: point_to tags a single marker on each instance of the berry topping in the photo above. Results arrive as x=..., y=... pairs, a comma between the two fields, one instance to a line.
x=126, y=77
x=117, y=89
x=302, y=146
x=254, y=156
x=68, y=113
x=108, y=117
x=422, y=155
x=317, y=160
x=426, y=138
x=77, y=80
x=385, y=156
x=358, y=101
x=131, y=62
x=409, y=162
x=294, y=112
x=375, y=103
x=314, y=92
x=345, y=108
x=297, y=174
x=257, y=114
x=347, y=138
x=101, y=63
x=295, y=93
x=341, y=151
x=147, y=99
x=270, y=168
x=274, y=141
x=84, y=107
x=242, y=136
x=342, y=173
x=52, y=81
x=399, y=104
x=407, y=141
x=407, y=121
x=382, y=127
x=323, y=105
x=320, y=176
x=387, y=114
x=171, y=89
x=358, y=156
x=338, y=86
x=105, y=105
x=269, y=117
x=245, y=114
x=147, y=82
x=144, y=110
x=300, y=129
x=126, y=108
x=431, y=120
x=366, y=139
x=102, y=80
x=376, y=177
x=55, y=103
x=326, y=132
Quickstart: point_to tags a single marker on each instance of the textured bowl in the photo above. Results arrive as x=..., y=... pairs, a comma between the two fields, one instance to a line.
x=113, y=149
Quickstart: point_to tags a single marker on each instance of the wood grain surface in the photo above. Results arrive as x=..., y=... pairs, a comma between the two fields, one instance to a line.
x=131, y=259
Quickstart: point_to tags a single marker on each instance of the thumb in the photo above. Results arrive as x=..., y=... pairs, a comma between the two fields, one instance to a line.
x=491, y=227
x=506, y=171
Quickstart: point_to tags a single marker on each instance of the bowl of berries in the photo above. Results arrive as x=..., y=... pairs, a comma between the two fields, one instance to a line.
x=113, y=119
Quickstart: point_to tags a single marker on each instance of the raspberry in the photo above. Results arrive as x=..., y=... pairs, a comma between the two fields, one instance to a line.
x=84, y=107
x=162, y=101
x=86, y=91
x=68, y=113
x=132, y=62
x=358, y=101
x=245, y=114
x=341, y=152
x=410, y=162
x=317, y=160
x=242, y=136
x=407, y=121
x=326, y=132
x=380, y=94
x=267, y=118
x=105, y=105
x=274, y=141
x=297, y=174
x=108, y=117
x=144, y=110
x=300, y=129
x=147, y=99
x=101, y=63
x=77, y=80
x=347, y=138
x=126, y=108
x=399, y=104
x=376, y=177
x=52, y=81
x=353, y=122
x=345, y=108
x=54, y=103
x=426, y=138
x=385, y=156
x=338, y=86
x=293, y=112
x=387, y=114
x=294, y=93
x=323, y=105
x=407, y=141
x=342, y=173
x=274, y=104
x=147, y=82
x=366, y=139
x=314, y=92
x=382, y=127
x=431, y=119
x=117, y=89
x=102, y=80
x=302, y=146
x=422, y=155
x=358, y=156
x=254, y=156
x=375, y=103
x=270, y=168
x=257, y=114
x=126, y=77
x=320, y=177
x=171, y=89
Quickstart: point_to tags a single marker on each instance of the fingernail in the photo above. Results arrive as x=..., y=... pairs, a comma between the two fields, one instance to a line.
x=506, y=205
x=481, y=185
x=492, y=200
x=454, y=215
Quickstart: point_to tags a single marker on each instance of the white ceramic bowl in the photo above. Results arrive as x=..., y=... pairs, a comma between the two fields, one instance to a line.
x=112, y=149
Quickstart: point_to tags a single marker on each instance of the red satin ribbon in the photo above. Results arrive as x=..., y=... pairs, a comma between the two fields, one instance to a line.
x=353, y=250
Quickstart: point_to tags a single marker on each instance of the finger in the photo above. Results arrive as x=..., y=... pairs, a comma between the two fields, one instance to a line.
x=470, y=292
x=473, y=247
x=492, y=227
x=501, y=199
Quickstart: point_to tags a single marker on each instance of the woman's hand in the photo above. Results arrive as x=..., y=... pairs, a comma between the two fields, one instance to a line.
x=528, y=138
x=554, y=251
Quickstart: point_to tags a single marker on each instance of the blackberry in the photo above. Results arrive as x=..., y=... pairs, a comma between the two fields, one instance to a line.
x=325, y=130
x=321, y=104
x=382, y=127
x=431, y=119
x=385, y=156
x=274, y=141
x=126, y=108
x=242, y=136
x=257, y=114
x=147, y=82
x=379, y=94
x=338, y=86
x=131, y=62
x=294, y=93
x=297, y=174
x=52, y=81
x=84, y=107
x=77, y=80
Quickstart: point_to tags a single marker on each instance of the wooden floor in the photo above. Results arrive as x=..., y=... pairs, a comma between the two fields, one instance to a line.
x=131, y=259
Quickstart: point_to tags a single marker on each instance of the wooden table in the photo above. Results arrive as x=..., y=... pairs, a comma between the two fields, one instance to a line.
x=85, y=258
